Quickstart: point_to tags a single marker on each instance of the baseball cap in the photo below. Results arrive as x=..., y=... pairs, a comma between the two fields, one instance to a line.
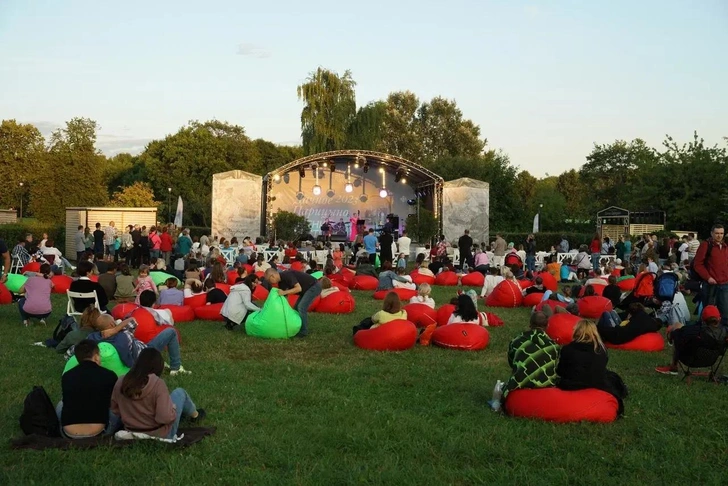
x=710, y=311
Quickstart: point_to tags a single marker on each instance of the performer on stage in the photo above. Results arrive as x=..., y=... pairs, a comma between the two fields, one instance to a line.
x=326, y=231
x=353, y=230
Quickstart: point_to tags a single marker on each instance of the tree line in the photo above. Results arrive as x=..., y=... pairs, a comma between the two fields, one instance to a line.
x=689, y=182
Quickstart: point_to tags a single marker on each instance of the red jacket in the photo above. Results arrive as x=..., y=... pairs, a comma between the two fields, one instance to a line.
x=596, y=246
x=716, y=266
x=166, y=243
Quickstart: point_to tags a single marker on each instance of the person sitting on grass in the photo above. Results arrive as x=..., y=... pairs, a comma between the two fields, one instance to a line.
x=387, y=277
x=108, y=280
x=171, y=295
x=86, y=327
x=612, y=292
x=465, y=311
x=536, y=288
x=163, y=317
x=193, y=287
x=84, y=410
x=124, y=285
x=533, y=357
x=363, y=267
x=638, y=322
x=423, y=296
x=583, y=364
x=709, y=335
x=328, y=287
x=143, y=402
x=239, y=303
x=391, y=311
x=408, y=284
x=492, y=279
x=36, y=300
x=261, y=265
x=214, y=295
x=144, y=282
x=85, y=285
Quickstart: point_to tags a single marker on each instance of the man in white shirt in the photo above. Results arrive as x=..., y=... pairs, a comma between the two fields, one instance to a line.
x=693, y=245
x=404, y=243
x=491, y=280
x=683, y=250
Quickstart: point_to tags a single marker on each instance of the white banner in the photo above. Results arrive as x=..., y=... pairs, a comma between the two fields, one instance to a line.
x=535, y=223
x=178, y=214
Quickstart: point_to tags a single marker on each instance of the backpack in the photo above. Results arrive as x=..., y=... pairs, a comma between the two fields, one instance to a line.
x=692, y=274
x=65, y=326
x=39, y=415
x=513, y=259
x=666, y=286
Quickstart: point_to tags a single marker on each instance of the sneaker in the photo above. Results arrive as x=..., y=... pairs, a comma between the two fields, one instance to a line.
x=180, y=371
x=201, y=414
x=26, y=322
x=42, y=321
x=667, y=370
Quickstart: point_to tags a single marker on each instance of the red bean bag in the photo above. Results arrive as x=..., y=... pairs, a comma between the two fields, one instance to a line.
x=396, y=335
x=505, y=294
x=549, y=281
x=447, y=278
x=550, y=303
x=147, y=328
x=295, y=266
x=494, y=320
x=555, y=405
x=598, y=290
x=364, y=282
x=5, y=296
x=260, y=274
x=180, y=313
x=419, y=279
x=209, y=312
x=473, y=279
x=248, y=268
x=525, y=284
x=626, y=285
x=341, y=302
x=196, y=300
x=347, y=274
x=224, y=287
x=422, y=315
x=341, y=285
x=232, y=275
x=594, y=306
x=31, y=267
x=61, y=283
x=652, y=341
x=469, y=337
x=293, y=298
x=335, y=277
x=532, y=299
x=444, y=313
x=561, y=327
x=260, y=293
x=404, y=294
x=93, y=278
x=120, y=311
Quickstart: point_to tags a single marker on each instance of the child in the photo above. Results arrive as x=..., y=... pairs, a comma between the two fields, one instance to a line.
x=192, y=287
x=171, y=295
x=391, y=311
x=423, y=296
x=124, y=285
x=401, y=261
x=338, y=256
x=403, y=285
x=144, y=282
x=327, y=287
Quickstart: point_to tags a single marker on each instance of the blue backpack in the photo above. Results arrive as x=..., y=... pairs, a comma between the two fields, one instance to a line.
x=666, y=286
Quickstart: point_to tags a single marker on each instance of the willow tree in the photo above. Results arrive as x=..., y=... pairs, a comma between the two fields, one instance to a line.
x=329, y=107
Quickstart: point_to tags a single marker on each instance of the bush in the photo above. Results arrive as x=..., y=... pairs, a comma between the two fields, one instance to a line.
x=544, y=241
x=289, y=226
x=424, y=228
x=11, y=232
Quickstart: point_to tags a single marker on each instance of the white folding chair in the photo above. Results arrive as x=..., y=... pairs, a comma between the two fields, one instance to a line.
x=16, y=266
x=71, y=308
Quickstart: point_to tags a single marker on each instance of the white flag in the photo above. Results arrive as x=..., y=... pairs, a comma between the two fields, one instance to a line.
x=535, y=223
x=178, y=214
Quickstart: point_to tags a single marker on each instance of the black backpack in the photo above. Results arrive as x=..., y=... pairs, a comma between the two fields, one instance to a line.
x=39, y=414
x=65, y=325
x=692, y=274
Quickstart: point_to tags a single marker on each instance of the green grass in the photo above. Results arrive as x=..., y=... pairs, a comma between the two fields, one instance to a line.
x=320, y=411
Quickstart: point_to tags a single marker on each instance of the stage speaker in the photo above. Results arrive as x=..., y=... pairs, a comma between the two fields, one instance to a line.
x=339, y=238
x=394, y=220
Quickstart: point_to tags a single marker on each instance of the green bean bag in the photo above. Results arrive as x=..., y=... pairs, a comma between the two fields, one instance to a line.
x=276, y=320
x=160, y=277
x=109, y=360
x=15, y=281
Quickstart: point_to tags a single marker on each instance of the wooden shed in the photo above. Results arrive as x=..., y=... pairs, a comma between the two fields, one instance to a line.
x=88, y=217
x=8, y=216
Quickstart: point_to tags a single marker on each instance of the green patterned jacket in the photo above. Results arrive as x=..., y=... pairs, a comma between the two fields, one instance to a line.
x=533, y=358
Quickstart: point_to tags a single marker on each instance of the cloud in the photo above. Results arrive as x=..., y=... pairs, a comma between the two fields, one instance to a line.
x=116, y=144
x=46, y=127
x=253, y=50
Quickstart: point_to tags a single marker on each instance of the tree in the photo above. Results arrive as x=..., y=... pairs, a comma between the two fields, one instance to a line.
x=553, y=213
x=570, y=186
x=21, y=150
x=329, y=107
x=423, y=227
x=137, y=195
x=290, y=226
x=400, y=135
x=365, y=130
x=443, y=131
x=271, y=156
x=525, y=188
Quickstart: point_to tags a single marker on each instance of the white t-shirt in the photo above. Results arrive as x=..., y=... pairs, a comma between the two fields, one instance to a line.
x=418, y=299
x=490, y=282
x=684, y=252
x=455, y=319
x=404, y=243
x=693, y=246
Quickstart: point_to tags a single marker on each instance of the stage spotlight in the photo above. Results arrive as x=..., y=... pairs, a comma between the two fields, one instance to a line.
x=286, y=178
x=381, y=170
x=366, y=167
x=356, y=163
x=348, y=187
x=330, y=193
x=302, y=172
x=363, y=198
x=316, y=190
x=411, y=202
x=277, y=178
x=300, y=196
x=273, y=198
x=357, y=182
x=332, y=167
x=383, y=193
x=325, y=164
x=404, y=180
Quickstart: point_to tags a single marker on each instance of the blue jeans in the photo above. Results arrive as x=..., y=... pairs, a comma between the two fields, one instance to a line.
x=595, y=261
x=154, y=253
x=112, y=427
x=183, y=406
x=303, y=303
x=717, y=295
x=27, y=316
x=168, y=339
x=531, y=262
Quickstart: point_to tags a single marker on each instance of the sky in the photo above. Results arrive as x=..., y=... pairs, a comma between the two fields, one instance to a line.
x=544, y=80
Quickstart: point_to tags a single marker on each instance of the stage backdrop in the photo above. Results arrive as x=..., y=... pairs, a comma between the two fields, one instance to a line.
x=236, y=204
x=342, y=206
x=466, y=205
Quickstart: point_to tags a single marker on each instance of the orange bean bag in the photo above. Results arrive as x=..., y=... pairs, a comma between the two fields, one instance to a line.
x=404, y=294
x=293, y=298
x=447, y=278
x=364, y=282
x=209, y=312
x=651, y=341
x=555, y=405
x=473, y=279
x=341, y=302
x=61, y=283
x=5, y=296
x=549, y=281
x=180, y=313
x=147, y=328
x=561, y=327
x=419, y=279
x=505, y=294
x=396, y=335
x=468, y=337
x=260, y=293
x=31, y=267
x=422, y=315
x=196, y=300
x=444, y=313
x=626, y=285
x=120, y=311
x=224, y=287
x=598, y=290
x=593, y=307
x=532, y=299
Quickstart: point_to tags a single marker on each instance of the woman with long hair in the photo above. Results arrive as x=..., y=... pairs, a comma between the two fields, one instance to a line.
x=143, y=402
x=218, y=274
x=239, y=303
x=36, y=300
x=465, y=312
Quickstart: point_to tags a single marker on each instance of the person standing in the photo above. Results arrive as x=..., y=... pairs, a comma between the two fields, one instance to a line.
x=564, y=245
x=404, y=243
x=385, y=247
x=295, y=282
x=499, y=250
x=465, y=245
x=184, y=243
x=711, y=264
x=596, y=249
x=155, y=244
x=165, y=245
x=110, y=241
x=693, y=245
x=98, y=240
x=136, y=253
x=370, y=245
x=80, y=243
x=530, y=248
x=5, y=258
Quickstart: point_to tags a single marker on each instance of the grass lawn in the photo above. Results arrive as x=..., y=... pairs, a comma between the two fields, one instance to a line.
x=320, y=411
